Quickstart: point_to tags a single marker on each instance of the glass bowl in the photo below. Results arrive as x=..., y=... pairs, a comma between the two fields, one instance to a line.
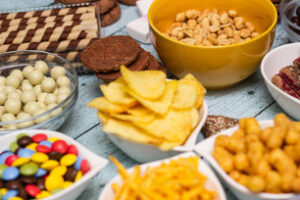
x=287, y=11
x=20, y=59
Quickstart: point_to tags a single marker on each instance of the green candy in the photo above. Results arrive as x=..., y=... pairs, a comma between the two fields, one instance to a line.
x=29, y=169
x=56, y=190
x=21, y=135
x=13, y=146
x=2, y=168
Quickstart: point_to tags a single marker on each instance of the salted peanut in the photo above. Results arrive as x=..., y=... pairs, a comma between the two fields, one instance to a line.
x=207, y=43
x=238, y=22
x=212, y=39
x=205, y=22
x=184, y=25
x=213, y=29
x=226, y=41
x=198, y=37
x=205, y=12
x=180, y=35
x=224, y=18
x=189, y=40
x=188, y=33
x=197, y=27
x=232, y=13
x=215, y=20
x=214, y=35
x=175, y=31
x=192, y=23
x=222, y=37
x=180, y=17
x=245, y=33
x=192, y=14
x=225, y=25
x=176, y=24
x=228, y=31
x=250, y=26
x=236, y=37
x=255, y=34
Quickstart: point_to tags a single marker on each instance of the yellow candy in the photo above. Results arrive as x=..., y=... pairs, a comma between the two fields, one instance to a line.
x=15, y=198
x=43, y=194
x=67, y=184
x=59, y=171
x=32, y=146
x=68, y=160
x=53, y=182
x=3, y=191
x=49, y=165
x=20, y=161
x=78, y=176
x=53, y=139
x=39, y=157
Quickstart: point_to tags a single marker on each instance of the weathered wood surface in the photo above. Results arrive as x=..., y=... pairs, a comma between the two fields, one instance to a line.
x=248, y=98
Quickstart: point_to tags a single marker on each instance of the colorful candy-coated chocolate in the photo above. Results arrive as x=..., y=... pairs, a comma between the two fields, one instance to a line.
x=67, y=184
x=13, y=185
x=53, y=182
x=10, y=173
x=21, y=135
x=54, y=155
x=43, y=149
x=40, y=173
x=77, y=164
x=1, y=195
x=13, y=146
x=72, y=149
x=22, y=193
x=60, y=146
x=85, y=166
x=53, y=139
x=9, y=194
x=39, y=157
x=28, y=179
x=3, y=191
x=24, y=141
x=56, y=190
x=20, y=161
x=46, y=143
x=4, y=156
x=10, y=159
x=25, y=153
x=39, y=137
x=43, y=194
x=29, y=169
x=2, y=168
x=49, y=165
x=15, y=198
x=71, y=174
x=32, y=146
x=32, y=190
x=68, y=160
x=41, y=183
x=59, y=171
x=78, y=176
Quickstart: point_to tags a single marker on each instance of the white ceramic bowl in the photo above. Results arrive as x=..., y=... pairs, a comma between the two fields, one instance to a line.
x=272, y=63
x=147, y=153
x=212, y=183
x=72, y=192
x=205, y=149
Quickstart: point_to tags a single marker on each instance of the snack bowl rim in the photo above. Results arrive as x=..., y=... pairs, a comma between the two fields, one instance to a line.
x=71, y=96
x=202, y=168
x=97, y=161
x=205, y=148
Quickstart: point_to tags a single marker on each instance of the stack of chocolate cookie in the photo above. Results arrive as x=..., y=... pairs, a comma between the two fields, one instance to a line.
x=110, y=11
x=106, y=55
x=128, y=2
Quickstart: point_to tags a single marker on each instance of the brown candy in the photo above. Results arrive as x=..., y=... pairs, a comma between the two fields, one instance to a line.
x=41, y=184
x=54, y=155
x=22, y=193
x=71, y=174
x=28, y=179
x=13, y=185
x=24, y=141
x=1, y=184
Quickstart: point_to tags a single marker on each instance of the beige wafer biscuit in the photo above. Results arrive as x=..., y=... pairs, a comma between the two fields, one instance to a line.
x=46, y=13
x=70, y=56
x=35, y=20
x=56, y=46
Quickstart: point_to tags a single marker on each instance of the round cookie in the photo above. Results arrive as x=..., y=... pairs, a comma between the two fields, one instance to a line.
x=73, y=1
x=162, y=68
x=105, y=5
x=109, y=53
x=153, y=64
x=128, y=2
x=111, y=16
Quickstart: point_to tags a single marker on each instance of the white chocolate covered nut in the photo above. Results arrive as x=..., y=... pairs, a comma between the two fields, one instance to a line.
x=42, y=118
x=35, y=77
x=48, y=85
x=27, y=70
x=28, y=96
x=63, y=81
x=14, y=95
x=2, y=80
x=2, y=88
x=8, y=117
x=17, y=73
x=13, y=81
x=60, y=98
x=64, y=90
x=42, y=97
x=13, y=106
x=41, y=66
x=57, y=71
x=41, y=104
x=50, y=99
x=2, y=112
x=31, y=107
x=37, y=89
x=26, y=85
x=2, y=97
x=9, y=89
x=56, y=111
x=23, y=116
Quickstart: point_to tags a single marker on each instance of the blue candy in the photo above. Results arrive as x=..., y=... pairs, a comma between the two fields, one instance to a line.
x=9, y=194
x=40, y=173
x=10, y=174
x=25, y=153
x=4, y=156
x=77, y=164
x=46, y=143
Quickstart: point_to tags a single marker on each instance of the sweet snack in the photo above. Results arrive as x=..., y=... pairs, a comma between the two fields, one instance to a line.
x=216, y=123
x=263, y=160
x=105, y=5
x=111, y=16
x=38, y=166
x=142, y=106
x=161, y=179
x=73, y=1
x=31, y=92
x=211, y=28
x=128, y=2
x=288, y=79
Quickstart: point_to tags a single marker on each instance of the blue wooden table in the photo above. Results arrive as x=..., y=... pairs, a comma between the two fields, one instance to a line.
x=249, y=98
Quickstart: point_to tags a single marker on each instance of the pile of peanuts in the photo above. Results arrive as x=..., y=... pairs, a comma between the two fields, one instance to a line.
x=211, y=28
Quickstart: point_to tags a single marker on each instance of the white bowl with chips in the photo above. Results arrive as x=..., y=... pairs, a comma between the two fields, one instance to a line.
x=212, y=182
x=206, y=148
x=96, y=162
x=147, y=153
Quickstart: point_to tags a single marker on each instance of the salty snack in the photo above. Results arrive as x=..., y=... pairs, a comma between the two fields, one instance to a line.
x=263, y=160
x=211, y=28
x=39, y=166
x=288, y=79
x=30, y=92
x=146, y=108
x=160, y=181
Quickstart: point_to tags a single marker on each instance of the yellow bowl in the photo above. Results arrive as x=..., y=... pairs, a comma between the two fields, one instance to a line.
x=219, y=66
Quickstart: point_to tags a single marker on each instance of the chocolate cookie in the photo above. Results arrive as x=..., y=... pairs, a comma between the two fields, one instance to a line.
x=105, y=5
x=162, y=68
x=153, y=64
x=111, y=16
x=109, y=53
x=128, y=2
x=73, y=1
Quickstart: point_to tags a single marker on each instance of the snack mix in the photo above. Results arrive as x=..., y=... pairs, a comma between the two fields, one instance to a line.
x=211, y=28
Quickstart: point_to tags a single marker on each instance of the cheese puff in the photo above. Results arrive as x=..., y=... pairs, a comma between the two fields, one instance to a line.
x=298, y=172
x=262, y=167
x=221, y=141
x=265, y=134
x=242, y=123
x=292, y=136
x=256, y=184
x=244, y=180
x=252, y=127
x=283, y=121
x=236, y=145
x=254, y=158
x=286, y=182
x=291, y=151
x=241, y=162
x=224, y=158
x=235, y=175
x=252, y=138
x=282, y=162
x=296, y=185
x=239, y=134
x=256, y=147
x=275, y=139
x=273, y=180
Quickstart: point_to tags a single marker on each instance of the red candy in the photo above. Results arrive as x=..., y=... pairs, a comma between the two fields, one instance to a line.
x=32, y=190
x=72, y=149
x=39, y=137
x=43, y=149
x=85, y=166
x=60, y=146
x=10, y=159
